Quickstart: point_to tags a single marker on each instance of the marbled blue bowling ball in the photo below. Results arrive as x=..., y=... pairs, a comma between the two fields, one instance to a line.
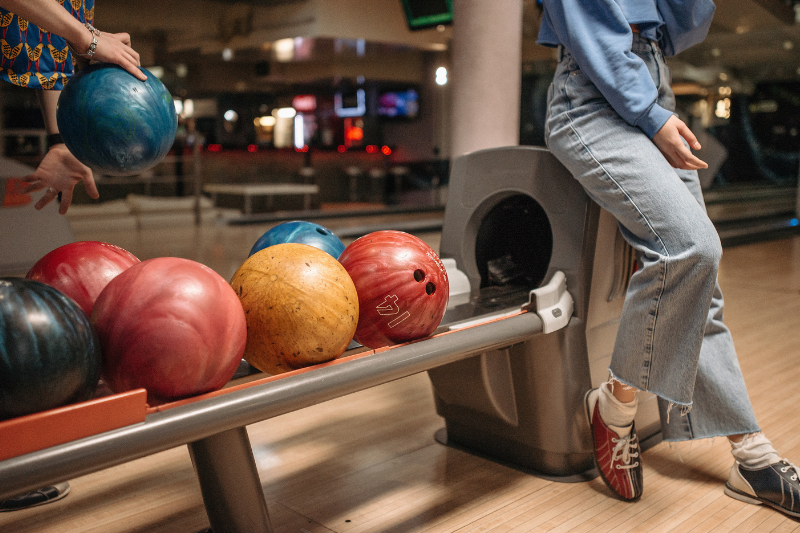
x=301, y=232
x=49, y=353
x=114, y=123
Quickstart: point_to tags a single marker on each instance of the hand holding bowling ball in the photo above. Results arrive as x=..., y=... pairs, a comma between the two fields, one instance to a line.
x=172, y=326
x=81, y=270
x=301, y=307
x=49, y=354
x=114, y=123
x=301, y=232
x=402, y=287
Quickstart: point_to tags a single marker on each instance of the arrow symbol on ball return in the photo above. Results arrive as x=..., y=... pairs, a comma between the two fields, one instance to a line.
x=388, y=306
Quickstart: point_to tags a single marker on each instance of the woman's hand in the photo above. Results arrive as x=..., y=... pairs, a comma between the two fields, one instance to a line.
x=59, y=172
x=670, y=140
x=116, y=48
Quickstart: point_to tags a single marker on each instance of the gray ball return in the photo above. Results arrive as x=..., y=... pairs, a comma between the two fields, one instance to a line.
x=510, y=361
x=515, y=218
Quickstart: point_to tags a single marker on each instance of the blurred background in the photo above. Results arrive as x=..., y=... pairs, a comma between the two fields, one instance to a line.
x=354, y=99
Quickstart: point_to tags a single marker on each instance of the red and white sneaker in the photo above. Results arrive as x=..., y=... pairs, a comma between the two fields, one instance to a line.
x=617, y=458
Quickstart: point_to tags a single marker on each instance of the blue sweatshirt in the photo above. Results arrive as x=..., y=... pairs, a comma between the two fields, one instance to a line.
x=598, y=35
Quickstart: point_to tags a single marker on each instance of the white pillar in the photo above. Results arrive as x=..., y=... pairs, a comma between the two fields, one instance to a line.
x=486, y=74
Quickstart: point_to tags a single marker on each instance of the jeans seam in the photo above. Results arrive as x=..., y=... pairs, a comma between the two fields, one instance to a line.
x=662, y=262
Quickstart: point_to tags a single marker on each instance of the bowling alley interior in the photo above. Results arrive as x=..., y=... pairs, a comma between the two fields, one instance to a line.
x=365, y=187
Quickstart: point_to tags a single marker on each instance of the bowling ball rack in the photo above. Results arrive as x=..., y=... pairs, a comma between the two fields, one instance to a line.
x=58, y=445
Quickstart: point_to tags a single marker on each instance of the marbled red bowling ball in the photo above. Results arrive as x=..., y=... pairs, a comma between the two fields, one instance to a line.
x=402, y=287
x=172, y=326
x=81, y=270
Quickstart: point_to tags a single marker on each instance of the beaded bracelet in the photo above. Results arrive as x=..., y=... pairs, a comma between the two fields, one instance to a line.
x=93, y=46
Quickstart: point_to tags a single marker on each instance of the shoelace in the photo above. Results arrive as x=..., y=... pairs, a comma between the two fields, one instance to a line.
x=789, y=466
x=623, y=450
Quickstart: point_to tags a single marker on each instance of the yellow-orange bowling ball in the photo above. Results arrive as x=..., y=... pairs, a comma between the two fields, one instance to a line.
x=301, y=307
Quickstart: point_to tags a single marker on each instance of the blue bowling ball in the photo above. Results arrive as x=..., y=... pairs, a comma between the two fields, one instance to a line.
x=301, y=232
x=49, y=352
x=114, y=123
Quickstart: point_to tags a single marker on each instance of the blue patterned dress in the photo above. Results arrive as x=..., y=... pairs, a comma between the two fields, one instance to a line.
x=33, y=57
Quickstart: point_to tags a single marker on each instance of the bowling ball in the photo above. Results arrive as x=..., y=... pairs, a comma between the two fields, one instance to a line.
x=114, y=123
x=172, y=326
x=301, y=232
x=81, y=270
x=402, y=287
x=301, y=307
x=49, y=353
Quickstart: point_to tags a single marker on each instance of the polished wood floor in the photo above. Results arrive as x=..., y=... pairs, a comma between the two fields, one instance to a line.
x=368, y=462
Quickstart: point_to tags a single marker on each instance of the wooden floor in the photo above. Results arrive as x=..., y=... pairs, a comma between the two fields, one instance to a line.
x=368, y=462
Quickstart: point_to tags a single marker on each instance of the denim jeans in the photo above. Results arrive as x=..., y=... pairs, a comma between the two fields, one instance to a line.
x=671, y=339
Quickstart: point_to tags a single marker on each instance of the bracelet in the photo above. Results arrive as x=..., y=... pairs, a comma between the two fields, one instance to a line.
x=54, y=138
x=93, y=45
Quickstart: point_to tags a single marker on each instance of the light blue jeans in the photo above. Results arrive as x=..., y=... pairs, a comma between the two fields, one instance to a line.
x=671, y=339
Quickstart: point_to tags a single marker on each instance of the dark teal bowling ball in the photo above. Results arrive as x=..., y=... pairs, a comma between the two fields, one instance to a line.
x=301, y=232
x=49, y=353
x=114, y=123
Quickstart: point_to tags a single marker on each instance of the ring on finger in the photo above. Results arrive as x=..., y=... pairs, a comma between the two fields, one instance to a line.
x=51, y=190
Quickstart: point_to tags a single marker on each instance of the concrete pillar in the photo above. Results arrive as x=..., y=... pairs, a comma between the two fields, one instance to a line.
x=486, y=74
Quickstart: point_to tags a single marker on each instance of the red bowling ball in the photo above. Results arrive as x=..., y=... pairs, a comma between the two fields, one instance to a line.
x=172, y=326
x=81, y=270
x=402, y=287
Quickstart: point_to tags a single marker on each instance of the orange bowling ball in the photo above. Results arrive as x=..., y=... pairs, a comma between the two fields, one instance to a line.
x=301, y=307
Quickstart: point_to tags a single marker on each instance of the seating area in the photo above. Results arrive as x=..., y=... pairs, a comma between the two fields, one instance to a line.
x=137, y=212
x=270, y=190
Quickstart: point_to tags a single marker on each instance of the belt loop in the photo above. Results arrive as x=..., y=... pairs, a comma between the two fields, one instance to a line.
x=560, y=52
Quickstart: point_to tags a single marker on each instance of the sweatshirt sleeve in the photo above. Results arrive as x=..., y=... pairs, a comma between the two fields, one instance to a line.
x=687, y=22
x=599, y=37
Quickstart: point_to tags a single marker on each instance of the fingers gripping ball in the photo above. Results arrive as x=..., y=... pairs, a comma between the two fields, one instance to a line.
x=402, y=287
x=301, y=307
x=49, y=354
x=172, y=326
x=114, y=123
x=81, y=270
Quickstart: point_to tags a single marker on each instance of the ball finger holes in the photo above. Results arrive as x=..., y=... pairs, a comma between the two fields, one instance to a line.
x=430, y=287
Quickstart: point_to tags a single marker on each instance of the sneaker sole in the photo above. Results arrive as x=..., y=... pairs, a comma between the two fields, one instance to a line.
x=594, y=453
x=742, y=497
